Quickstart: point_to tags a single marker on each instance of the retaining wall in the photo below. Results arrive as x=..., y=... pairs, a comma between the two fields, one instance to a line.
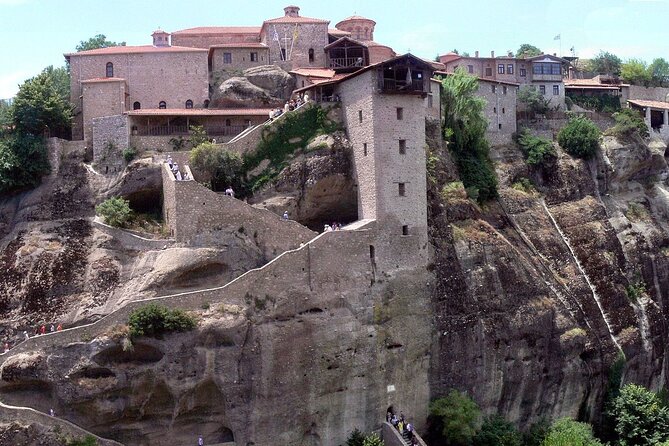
x=392, y=437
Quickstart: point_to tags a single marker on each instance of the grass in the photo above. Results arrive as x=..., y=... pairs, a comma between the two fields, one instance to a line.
x=637, y=213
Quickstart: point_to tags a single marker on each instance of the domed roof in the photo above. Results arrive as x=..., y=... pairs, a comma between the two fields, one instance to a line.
x=355, y=18
x=159, y=31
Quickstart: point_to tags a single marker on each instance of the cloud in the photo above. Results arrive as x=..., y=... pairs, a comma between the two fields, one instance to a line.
x=9, y=83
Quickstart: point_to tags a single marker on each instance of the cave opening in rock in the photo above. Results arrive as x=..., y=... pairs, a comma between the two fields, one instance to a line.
x=146, y=201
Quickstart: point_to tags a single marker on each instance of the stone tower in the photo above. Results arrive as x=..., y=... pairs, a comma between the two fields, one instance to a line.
x=160, y=38
x=361, y=28
x=292, y=11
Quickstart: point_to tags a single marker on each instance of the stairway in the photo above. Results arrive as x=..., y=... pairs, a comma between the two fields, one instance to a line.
x=406, y=437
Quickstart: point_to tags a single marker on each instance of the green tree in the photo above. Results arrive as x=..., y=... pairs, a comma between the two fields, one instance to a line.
x=95, y=42
x=640, y=417
x=580, y=137
x=454, y=419
x=23, y=162
x=355, y=438
x=535, y=435
x=40, y=106
x=533, y=100
x=537, y=150
x=496, y=431
x=635, y=71
x=60, y=79
x=155, y=320
x=526, y=50
x=115, y=211
x=6, y=119
x=372, y=439
x=464, y=126
x=567, y=432
x=659, y=71
x=197, y=135
x=220, y=167
x=629, y=122
x=605, y=63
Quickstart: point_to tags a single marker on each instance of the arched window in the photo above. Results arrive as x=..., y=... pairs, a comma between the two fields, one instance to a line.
x=110, y=69
x=206, y=103
x=311, y=55
x=227, y=123
x=189, y=104
x=162, y=104
x=136, y=106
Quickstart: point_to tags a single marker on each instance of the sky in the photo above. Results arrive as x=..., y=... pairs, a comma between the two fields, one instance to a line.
x=36, y=33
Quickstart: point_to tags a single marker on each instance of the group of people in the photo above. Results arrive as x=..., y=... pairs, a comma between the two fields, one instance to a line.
x=403, y=426
x=39, y=330
x=334, y=227
x=174, y=167
x=289, y=106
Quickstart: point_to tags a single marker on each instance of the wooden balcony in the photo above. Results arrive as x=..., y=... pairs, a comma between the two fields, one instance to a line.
x=182, y=130
x=339, y=63
x=401, y=86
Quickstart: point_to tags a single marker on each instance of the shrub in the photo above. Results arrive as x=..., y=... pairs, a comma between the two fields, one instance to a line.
x=628, y=123
x=115, y=211
x=535, y=435
x=533, y=100
x=198, y=135
x=606, y=103
x=220, y=166
x=453, y=191
x=372, y=439
x=567, y=432
x=23, y=161
x=580, y=137
x=355, y=438
x=453, y=419
x=637, y=213
x=129, y=154
x=523, y=185
x=88, y=440
x=537, y=150
x=155, y=320
x=496, y=431
x=178, y=143
x=635, y=290
x=640, y=418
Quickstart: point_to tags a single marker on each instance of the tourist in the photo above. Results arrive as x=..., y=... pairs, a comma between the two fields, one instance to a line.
x=59, y=327
x=185, y=175
x=6, y=347
x=42, y=329
x=51, y=412
x=394, y=421
x=178, y=176
x=286, y=107
x=229, y=192
x=26, y=335
x=200, y=441
x=327, y=228
x=285, y=215
x=306, y=97
x=52, y=328
x=400, y=425
x=410, y=430
x=169, y=161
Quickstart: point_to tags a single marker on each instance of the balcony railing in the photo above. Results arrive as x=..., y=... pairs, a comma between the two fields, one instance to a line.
x=347, y=62
x=402, y=86
x=182, y=130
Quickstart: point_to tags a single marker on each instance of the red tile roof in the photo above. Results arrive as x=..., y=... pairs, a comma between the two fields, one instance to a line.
x=200, y=112
x=103, y=79
x=592, y=83
x=298, y=19
x=240, y=45
x=652, y=104
x=356, y=17
x=315, y=72
x=481, y=79
x=338, y=32
x=137, y=49
x=219, y=30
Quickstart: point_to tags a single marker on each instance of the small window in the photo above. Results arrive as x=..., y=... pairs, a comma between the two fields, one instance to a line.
x=494, y=88
x=283, y=54
x=401, y=189
x=247, y=122
x=556, y=90
x=403, y=146
x=405, y=229
x=110, y=69
x=227, y=123
x=470, y=68
x=400, y=113
x=206, y=103
x=136, y=106
x=311, y=55
x=162, y=104
x=509, y=69
x=542, y=89
x=499, y=126
x=360, y=115
x=503, y=110
x=227, y=57
x=189, y=104
x=494, y=109
x=253, y=57
x=364, y=148
x=303, y=83
x=523, y=72
x=503, y=89
x=488, y=71
x=500, y=68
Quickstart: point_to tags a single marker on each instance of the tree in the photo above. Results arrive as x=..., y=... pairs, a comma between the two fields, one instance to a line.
x=526, y=50
x=60, y=79
x=155, y=320
x=496, y=431
x=659, y=71
x=355, y=438
x=95, y=42
x=533, y=100
x=465, y=126
x=5, y=116
x=23, y=161
x=39, y=106
x=537, y=150
x=218, y=166
x=640, y=417
x=454, y=419
x=567, y=432
x=635, y=71
x=605, y=63
x=372, y=439
x=628, y=122
x=580, y=137
x=198, y=135
x=115, y=211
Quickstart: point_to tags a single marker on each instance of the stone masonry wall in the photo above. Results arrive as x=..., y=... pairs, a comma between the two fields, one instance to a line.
x=209, y=39
x=500, y=111
x=648, y=93
x=240, y=58
x=309, y=36
x=100, y=99
x=110, y=138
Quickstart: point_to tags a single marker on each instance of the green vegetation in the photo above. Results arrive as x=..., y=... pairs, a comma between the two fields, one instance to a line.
x=95, y=42
x=219, y=166
x=605, y=103
x=637, y=212
x=523, y=185
x=23, y=161
x=88, y=440
x=197, y=135
x=155, y=320
x=640, y=418
x=538, y=151
x=453, y=191
x=453, y=420
x=605, y=63
x=526, y=50
x=635, y=289
x=464, y=127
x=628, y=122
x=372, y=439
x=281, y=140
x=535, y=435
x=357, y=438
x=567, y=432
x=496, y=431
x=638, y=72
x=535, y=102
x=580, y=137
x=115, y=211
x=129, y=154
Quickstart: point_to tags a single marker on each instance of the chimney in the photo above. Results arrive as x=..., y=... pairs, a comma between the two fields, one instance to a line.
x=555, y=54
x=292, y=11
x=492, y=54
x=476, y=54
x=510, y=54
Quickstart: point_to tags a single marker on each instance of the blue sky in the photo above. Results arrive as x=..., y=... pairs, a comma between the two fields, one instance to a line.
x=35, y=33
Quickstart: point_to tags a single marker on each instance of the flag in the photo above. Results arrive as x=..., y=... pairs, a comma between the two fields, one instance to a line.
x=558, y=37
x=276, y=35
x=295, y=33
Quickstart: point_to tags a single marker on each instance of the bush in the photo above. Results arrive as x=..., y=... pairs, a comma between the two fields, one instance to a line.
x=640, y=418
x=567, y=432
x=635, y=290
x=155, y=320
x=197, y=135
x=115, y=211
x=23, y=161
x=533, y=100
x=580, y=137
x=496, y=431
x=355, y=438
x=628, y=123
x=129, y=154
x=523, y=185
x=372, y=439
x=220, y=166
x=535, y=435
x=453, y=419
x=605, y=103
x=88, y=440
x=537, y=150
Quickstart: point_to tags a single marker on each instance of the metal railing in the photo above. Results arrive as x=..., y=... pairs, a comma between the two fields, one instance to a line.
x=347, y=62
x=182, y=130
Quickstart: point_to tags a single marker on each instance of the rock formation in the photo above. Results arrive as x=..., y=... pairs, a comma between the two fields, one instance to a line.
x=258, y=87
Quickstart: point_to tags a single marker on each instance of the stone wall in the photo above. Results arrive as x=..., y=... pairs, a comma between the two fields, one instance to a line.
x=240, y=58
x=110, y=138
x=205, y=40
x=648, y=93
x=99, y=99
x=500, y=111
x=392, y=437
x=309, y=36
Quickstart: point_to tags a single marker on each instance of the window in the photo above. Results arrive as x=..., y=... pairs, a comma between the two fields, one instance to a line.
x=253, y=57
x=227, y=123
x=494, y=88
x=364, y=148
x=401, y=189
x=503, y=110
x=504, y=89
x=405, y=229
x=509, y=69
x=523, y=72
x=488, y=71
x=542, y=89
x=247, y=122
x=360, y=115
x=550, y=68
x=283, y=54
x=500, y=68
x=110, y=69
x=403, y=146
x=206, y=103
x=499, y=126
x=189, y=104
x=136, y=105
x=470, y=68
x=311, y=55
x=556, y=90
x=162, y=104
x=227, y=57
x=400, y=113
x=494, y=109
